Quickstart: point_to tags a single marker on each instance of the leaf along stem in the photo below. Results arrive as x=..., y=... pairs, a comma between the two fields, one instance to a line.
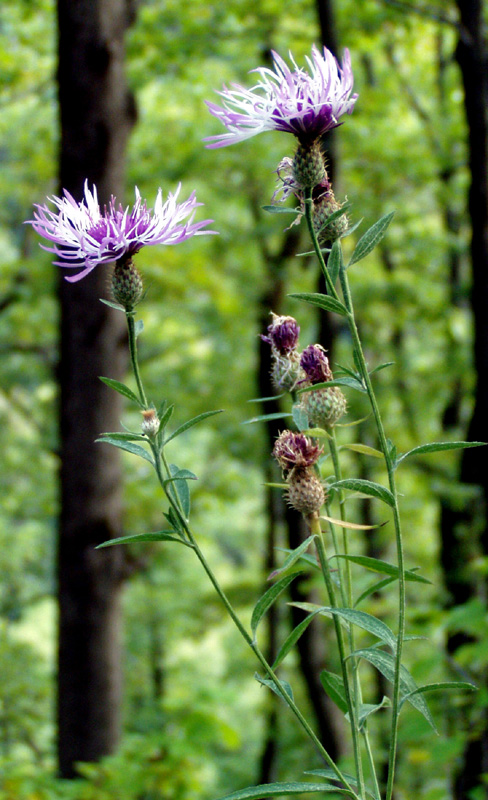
x=129, y=315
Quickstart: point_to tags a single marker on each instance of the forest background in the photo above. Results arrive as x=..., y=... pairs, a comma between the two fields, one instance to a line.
x=193, y=722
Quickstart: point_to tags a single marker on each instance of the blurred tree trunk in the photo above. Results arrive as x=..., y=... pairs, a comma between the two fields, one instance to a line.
x=465, y=533
x=97, y=113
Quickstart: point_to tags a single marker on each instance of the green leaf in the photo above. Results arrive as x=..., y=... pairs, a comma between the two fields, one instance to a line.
x=183, y=475
x=179, y=489
x=385, y=663
x=266, y=399
x=375, y=587
x=335, y=261
x=335, y=215
x=292, y=557
x=352, y=383
x=264, y=417
x=366, y=487
x=365, y=621
x=280, y=210
x=371, y=238
x=329, y=774
x=376, y=565
x=166, y=416
x=381, y=366
x=362, y=448
x=300, y=417
x=293, y=638
x=117, y=306
x=158, y=536
x=289, y=788
x=352, y=228
x=272, y=685
x=124, y=437
x=440, y=687
x=322, y=301
x=121, y=388
x=436, y=447
x=191, y=423
x=267, y=600
x=175, y=521
x=366, y=709
x=334, y=688
x=135, y=449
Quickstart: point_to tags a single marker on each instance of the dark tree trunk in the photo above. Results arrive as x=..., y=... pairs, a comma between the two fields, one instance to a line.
x=96, y=116
x=465, y=533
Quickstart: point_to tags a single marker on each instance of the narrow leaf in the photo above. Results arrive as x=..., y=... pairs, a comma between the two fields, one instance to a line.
x=381, y=366
x=365, y=621
x=329, y=774
x=175, y=521
x=283, y=789
x=376, y=565
x=135, y=449
x=280, y=210
x=292, y=558
x=265, y=417
x=366, y=709
x=266, y=399
x=322, y=301
x=124, y=437
x=166, y=416
x=440, y=687
x=335, y=261
x=352, y=228
x=267, y=600
x=352, y=383
x=180, y=489
x=121, y=388
x=293, y=638
x=374, y=587
x=334, y=688
x=335, y=215
x=435, y=447
x=364, y=449
x=112, y=305
x=354, y=526
x=191, y=423
x=385, y=663
x=300, y=417
x=182, y=475
x=158, y=536
x=371, y=238
x=366, y=487
x=272, y=685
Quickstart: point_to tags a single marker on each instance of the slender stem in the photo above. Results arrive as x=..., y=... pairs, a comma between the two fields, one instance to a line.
x=350, y=700
x=391, y=480
x=129, y=315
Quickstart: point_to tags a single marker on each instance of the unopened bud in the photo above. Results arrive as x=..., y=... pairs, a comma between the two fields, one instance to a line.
x=150, y=422
x=305, y=491
x=309, y=165
x=127, y=286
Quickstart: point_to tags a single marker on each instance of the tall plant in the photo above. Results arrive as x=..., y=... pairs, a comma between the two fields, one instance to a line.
x=305, y=103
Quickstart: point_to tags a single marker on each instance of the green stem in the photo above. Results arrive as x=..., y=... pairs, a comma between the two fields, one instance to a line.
x=391, y=480
x=324, y=564
x=129, y=315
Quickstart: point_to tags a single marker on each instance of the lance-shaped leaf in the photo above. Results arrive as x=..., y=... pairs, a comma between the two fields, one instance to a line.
x=157, y=536
x=435, y=447
x=191, y=422
x=335, y=261
x=123, y=437
x=272, y=685
x=322, y=301
x=366, y=487
x=111, y=304
x=364, y=449
x=130, y=447
x=440, y=687
x=366, y=709
x=329, y=774
x=365, y=621
x=265, y=417
x=334, y=688
x=178, y=488
x=385, y=663
x=280, y=210
x=300, y=417
x=293, y=638
x=354, y=526
x=292, y=557
x=371, y=238
x=121, y=388
x=335, y=215
x=283, y=790
x=267, y=600
x=377, y=565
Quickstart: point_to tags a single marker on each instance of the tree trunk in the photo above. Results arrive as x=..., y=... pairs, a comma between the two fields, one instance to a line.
x=97, y=114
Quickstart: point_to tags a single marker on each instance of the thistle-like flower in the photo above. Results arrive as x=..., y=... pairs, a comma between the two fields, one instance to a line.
x=307, y=104
x=315, y=364
x=283, y=333
x=283, y=337
x=84, y=236
x=295, y=450
x=296, y=454
x=325, y=406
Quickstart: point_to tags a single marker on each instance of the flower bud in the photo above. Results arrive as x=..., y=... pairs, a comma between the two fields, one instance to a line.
x=295, y=450
x=283, y=337
x=150, y=423
x=126, y=284
x=283, y=333
x=325, y=406
x=305, y=491
x=315, y=364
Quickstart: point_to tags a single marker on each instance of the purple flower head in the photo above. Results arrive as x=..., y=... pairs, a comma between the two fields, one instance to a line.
x=315, y=364
x=295, y=450
x=305, y=103
x=84, y=236
x=283, y=334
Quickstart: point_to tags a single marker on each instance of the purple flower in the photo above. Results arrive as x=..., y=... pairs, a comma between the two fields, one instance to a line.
x=306, y=104
x=295, y=450
x=315, y=364
x=283, y=334
x=84, y=236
